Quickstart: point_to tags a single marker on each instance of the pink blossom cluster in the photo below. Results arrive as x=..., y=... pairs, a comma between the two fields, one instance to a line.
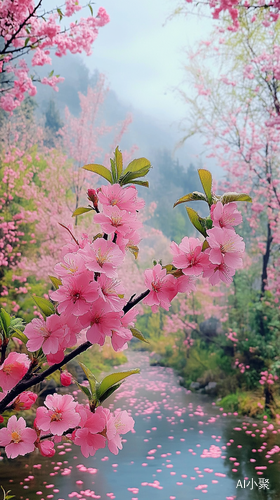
x=91, y=295
x=60, y=416
x=232, y=336
x=241, y=367
x=90, y=298
x=267, y=378
x=188, y=342
x=234, y=7
x=218, y=261
x=24, y=26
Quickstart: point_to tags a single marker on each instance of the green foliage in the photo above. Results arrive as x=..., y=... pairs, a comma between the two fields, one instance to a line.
x=136, y=168
x=200, y=223
x=230, y=402
x=46, y=307
x=97, y=392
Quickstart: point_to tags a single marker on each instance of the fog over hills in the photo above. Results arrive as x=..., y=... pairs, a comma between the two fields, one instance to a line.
x=147, y=132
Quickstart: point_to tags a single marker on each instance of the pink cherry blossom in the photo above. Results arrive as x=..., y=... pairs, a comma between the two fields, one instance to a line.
x=189, y=257
x=129, y=318
x=88, y=437
x=73, y=264
x=46, y=334
x=102, y=321
x=131, y=239
x=59, y=416
x=102, y=256
x=117, y=424
x=225, y=247
x=120, y=338
x=46, y=448
x=76, y=294
x=111, y=291
x=219, y=272
x=25, y=401
x=124, y=198
x=114, y=220
x=225, y=215
x=17, y=438
x=186, y=284
x=13, y=370
x=163, y=288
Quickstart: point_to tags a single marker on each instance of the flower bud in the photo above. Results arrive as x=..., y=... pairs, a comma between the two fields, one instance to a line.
x=65, y=378
x=92, y=196
x=24, y=401
x=46, y=448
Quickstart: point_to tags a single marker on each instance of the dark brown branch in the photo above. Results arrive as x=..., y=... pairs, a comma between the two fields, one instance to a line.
x=20, y=27
x=28, y=382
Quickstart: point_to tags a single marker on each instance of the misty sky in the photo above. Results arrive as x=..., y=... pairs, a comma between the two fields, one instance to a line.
x=142, y=53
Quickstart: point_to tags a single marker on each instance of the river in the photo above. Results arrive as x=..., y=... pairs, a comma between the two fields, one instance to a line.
x=184, y=448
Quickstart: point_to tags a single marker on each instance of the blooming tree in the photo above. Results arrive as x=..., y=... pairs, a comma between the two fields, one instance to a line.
x=233, y=10
x=89, y=297
x=236, y=111
x=28, y=26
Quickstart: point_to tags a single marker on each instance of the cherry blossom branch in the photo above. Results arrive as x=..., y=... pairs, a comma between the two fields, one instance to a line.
x=28, y=382
x=20, y=27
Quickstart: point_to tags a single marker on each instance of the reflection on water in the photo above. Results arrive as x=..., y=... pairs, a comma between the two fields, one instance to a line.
x=184, y=448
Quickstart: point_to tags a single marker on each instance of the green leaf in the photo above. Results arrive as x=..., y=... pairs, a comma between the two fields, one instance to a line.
x=100, y=170
x=109, y=392
x=114, y=379
x=59, y=13
x=26, y=41
x=169, y=268
x=91, y=9
x=51, y=73
x=81, y=210
x=93, y=383
x=55, y=281
x=19, y=335
x=113, y=170
x=206, y=181
x=191, y=197
x=138, y=164
x=98, y=235
x=228, y=197
x=129, y=176
x=208, y=223
x=16, y=323
x=6, y=494
x=205, y=245
x=138, y=335
x=142, y=183
x=85, y=390
x=196, y=221
x=45, y=305
x=5, y=321
x=118, y=161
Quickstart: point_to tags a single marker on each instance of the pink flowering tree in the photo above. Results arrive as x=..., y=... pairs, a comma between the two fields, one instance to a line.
x=89, y=300
x=233, y=10
x=31, y=175
x=235, y=110
x=30, y=26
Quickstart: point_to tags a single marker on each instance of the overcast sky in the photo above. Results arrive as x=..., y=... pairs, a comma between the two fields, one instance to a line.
x=142, y=53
